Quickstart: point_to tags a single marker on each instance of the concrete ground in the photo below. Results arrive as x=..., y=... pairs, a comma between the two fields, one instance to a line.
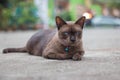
x=101, y=60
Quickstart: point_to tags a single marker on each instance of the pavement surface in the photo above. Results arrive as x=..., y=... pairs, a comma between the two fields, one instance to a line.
x=100, y=62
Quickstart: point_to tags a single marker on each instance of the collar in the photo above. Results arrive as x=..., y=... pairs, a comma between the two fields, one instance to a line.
x=66, y=49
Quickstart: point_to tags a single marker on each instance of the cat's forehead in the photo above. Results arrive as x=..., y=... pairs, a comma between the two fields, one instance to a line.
x=71, y=27
x=71, y=24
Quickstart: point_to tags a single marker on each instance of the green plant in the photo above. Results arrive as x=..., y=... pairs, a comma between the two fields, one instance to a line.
x=18, y=13
x=66, y=15
x=5, y=17
x=25, y=14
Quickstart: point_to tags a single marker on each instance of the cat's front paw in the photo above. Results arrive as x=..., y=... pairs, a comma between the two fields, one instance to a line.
x=77, y=57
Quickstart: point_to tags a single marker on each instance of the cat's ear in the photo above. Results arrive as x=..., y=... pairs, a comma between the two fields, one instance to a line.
x=59, y=22
x=81, y=21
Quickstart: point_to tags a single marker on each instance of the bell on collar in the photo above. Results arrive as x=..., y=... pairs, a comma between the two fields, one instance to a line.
x=67, y=49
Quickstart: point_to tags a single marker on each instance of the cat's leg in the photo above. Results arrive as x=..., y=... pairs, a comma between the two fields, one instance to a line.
x=59, y=56
x=78, y=55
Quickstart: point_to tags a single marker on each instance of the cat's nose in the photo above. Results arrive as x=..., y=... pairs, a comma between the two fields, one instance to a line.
x=72, y=39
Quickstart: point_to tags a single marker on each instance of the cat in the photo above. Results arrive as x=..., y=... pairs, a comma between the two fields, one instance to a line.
x=63, y=43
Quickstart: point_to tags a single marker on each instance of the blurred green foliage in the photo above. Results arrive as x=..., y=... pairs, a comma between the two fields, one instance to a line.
x=19, y=14
x=66, y=15
x=5, y=16
x=109, y=3
x=26, y=14
x=114, y=5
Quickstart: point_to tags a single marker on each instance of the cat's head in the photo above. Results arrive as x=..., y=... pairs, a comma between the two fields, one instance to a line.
x=70, y=33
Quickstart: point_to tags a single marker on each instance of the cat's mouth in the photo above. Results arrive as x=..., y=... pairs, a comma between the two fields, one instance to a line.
x=69, y=44
x=72, y=44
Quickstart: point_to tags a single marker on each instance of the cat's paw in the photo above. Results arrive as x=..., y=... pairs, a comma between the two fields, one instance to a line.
x=77, y=57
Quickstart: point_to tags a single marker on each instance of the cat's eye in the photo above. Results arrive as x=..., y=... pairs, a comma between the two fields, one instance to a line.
x=65, y=33
x=78, y=33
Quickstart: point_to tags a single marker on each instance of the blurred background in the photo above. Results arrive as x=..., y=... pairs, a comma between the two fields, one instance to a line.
x=38, y=14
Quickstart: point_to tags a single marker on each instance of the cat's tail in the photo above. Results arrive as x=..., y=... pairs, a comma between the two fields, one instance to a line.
x=10, y=50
